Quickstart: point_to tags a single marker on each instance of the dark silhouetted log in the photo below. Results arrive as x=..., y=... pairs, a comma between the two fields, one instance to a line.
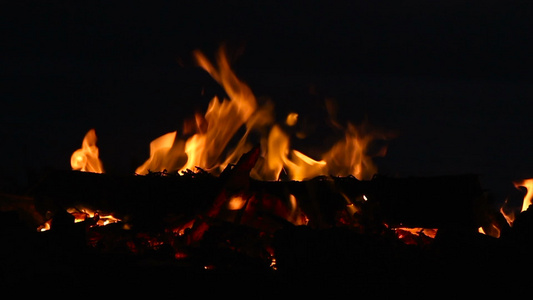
x=151, y=196
x=430, y=202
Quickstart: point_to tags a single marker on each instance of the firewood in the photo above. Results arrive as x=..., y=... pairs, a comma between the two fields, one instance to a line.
x=428, y=202
x=147, y=197
x=364, y=250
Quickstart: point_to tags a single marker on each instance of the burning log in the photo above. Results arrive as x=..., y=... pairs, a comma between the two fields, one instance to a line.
x=321, y=224
x=145, y=197
x=345, y=236
x=428, y=202
x=233, y=220
x=432, y=202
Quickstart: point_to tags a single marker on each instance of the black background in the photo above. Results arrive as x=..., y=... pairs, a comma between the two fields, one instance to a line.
x=451, y=78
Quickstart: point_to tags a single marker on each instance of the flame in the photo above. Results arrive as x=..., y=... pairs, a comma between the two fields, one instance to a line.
x=84, y=214
x=349, y=157
x=86, y=159
x=493, y=230
x=296, y=215
x=160, y=154
x=279, y=157
x=303, y=167
x=508, y=212
x=45, y=226
x=292, y=118
x=214, y=130
x=277, y=150
x=416, y=235
x=528, y=184
x=180, y=230
x=346, y=157
x=207, y=148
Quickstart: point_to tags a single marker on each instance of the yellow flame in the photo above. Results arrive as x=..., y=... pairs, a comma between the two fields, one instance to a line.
x=277, y=150
x=86, y=158
x=162, y=155
x=429, y=232
x=303, y=167
x=348, y=156
x=80, y=215
x=296, y=215
x=221, y=121
x=45, y=226
x=223, y=118
x=208, y=147
x=528, y=184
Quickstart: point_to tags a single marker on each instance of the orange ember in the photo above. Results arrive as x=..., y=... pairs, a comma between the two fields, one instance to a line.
x=84, y=214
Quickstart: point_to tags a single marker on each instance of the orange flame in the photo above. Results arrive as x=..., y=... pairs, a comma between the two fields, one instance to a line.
x=81, y=215
x=207, y=148
x=509, y=212
x=162, y=154
x=223, y=119
x=86, y=159
x=528, y=184
x=349, y=157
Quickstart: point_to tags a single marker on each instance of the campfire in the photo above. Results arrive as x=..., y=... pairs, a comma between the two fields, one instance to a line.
x=230, y=193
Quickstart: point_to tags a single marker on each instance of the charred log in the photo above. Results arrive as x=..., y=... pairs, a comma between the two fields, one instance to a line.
x=325, y=249
x=148, y=199
x=429, y=202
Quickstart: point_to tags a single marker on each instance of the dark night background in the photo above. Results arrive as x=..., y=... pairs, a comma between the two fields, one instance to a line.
x=451, y=78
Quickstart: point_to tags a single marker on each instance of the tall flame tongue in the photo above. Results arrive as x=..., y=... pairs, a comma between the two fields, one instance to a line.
x=223, y=119
x=86, y=159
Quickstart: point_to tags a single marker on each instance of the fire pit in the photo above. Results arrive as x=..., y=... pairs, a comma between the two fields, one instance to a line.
x=229, y=200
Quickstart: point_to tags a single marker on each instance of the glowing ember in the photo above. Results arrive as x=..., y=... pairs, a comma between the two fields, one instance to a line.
x=82, y=215
x=183, y=228
x=236, y=203
x=414, y=236
x=45, y=226
x=86, y=159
